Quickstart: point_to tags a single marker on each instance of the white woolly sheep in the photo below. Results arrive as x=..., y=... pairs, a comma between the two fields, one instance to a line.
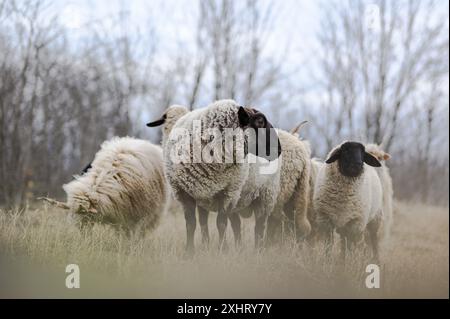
x=223, y=187
x=293, y=197
x=168, y=120
x=386, y=182
x=348, y=196
x=124, y=186
x=316, y=165
x=298, y=173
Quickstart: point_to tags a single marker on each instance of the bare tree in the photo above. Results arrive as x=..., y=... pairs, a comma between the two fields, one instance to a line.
x=236, y=35
x=375, y=60
x=374, y=56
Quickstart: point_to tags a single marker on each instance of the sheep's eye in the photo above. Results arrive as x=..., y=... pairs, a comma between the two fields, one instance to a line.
x=259, y=122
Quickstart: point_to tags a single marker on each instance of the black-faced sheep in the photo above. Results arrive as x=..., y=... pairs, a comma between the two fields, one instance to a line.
x=167, y=121
x=348, y=195
x=224, y=187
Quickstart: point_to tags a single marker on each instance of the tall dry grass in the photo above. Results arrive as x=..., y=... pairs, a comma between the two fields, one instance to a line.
x=37, y=243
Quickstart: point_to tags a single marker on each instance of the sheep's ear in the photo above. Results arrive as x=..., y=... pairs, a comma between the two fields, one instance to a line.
x=157, y=122
x=386, y=156
x=88, y=167
x=371, y=160
x=334, y=156
x=244, y=117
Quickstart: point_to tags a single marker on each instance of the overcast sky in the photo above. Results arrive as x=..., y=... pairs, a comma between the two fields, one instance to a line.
x=292, y=37
x=174, y=19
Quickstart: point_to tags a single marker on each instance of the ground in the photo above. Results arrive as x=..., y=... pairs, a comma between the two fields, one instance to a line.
x=36, y=244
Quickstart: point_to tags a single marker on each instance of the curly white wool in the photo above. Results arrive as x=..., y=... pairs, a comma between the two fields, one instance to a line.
x=125, y=186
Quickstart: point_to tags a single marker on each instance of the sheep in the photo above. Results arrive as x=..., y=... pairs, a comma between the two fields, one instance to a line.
x=293, y=197
x=348, y=196
x=302, y=170
x=124, y=186
x=315, y=164
x=223, y=187
x=168, y=120
x=315, y=233
x=386, y=182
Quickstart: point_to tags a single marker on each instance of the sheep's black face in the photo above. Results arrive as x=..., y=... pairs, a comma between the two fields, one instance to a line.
x=265, y=142
x=351, y=157
x=351, y=163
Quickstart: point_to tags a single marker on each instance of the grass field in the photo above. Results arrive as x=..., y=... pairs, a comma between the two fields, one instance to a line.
x=37, y=243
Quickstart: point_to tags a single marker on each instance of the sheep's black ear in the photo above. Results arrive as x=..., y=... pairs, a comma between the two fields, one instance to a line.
x=244, y=117
x=334, y=156
x=88, y=167
x=371, y=160
x=157, y=122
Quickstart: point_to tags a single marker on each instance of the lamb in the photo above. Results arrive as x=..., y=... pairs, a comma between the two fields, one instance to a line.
x=386, y=182
x=348, y=196
x=124, y=186
x=223, y=187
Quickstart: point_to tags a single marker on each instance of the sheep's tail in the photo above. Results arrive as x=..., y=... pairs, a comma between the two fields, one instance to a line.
x=54, y=202
x=296, y=129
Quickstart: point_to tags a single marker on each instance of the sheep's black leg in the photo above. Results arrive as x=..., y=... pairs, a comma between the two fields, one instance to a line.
x=235, y=221
x=203, y=220
x=260, y=229
x=189, y=215
x=222, y=222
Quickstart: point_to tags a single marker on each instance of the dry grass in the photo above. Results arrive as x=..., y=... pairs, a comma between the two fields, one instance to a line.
x=37, y=244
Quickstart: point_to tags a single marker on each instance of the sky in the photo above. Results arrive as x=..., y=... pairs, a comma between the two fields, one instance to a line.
x=295, y=28
x=173, y=20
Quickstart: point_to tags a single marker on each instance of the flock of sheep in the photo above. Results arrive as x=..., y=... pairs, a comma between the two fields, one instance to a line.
x=131, y=182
